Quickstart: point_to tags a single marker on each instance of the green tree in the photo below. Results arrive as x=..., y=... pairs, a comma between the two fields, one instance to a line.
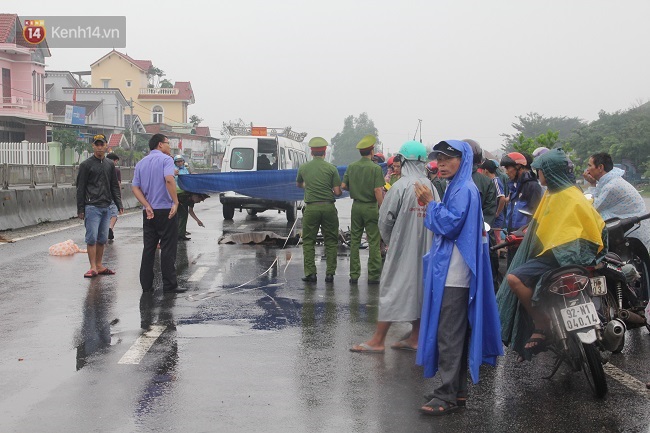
x=529, y=144
x=69, y=139
x=66, y=136
x=195, y=120
x=142, y=142
x=625, y=135
x=534, y=125
x=128, y=157
x=166, y=84
x=154, y=75
x=137, y=150
x=344, y=143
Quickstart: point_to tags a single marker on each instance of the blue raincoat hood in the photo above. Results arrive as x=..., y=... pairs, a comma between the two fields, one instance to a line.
x=464, y=173
x=458, y=221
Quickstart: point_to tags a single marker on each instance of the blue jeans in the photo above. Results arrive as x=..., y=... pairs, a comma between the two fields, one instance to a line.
x=114, y=210
x=97, y=220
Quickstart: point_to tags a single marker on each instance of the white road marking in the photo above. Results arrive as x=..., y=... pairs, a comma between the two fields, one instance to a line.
x=142, y=345
x=198, y=274
x=45, y=233
x=625, y=379
x=217, y=284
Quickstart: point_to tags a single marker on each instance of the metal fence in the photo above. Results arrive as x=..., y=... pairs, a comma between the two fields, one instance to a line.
x=21, y=175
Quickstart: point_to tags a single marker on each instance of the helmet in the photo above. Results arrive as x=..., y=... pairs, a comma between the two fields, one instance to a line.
x=413, y=150
x=489, y=165
x=378, y=157
x=390, y=161
x=179, y=158
x=512, y=159
x=432, y=167
x=540, y=151
x=476, y=150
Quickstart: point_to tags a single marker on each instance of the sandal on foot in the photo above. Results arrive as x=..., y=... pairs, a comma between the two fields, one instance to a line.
x=433, y=408
x=90, y=274
x=106, y=271
x=403, y=345
x=539, y=342
x=364, y=348
x=460, y=401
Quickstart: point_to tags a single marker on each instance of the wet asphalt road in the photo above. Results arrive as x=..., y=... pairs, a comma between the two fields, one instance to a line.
x=244, y=352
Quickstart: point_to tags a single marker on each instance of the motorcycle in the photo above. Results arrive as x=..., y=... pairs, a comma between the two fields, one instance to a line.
x=576, y=336
x=626, y=272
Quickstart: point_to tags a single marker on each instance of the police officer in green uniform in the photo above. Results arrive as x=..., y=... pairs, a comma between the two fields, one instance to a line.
x=364, y=179
x=322, y=183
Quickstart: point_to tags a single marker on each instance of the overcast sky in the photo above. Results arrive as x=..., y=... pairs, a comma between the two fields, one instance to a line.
x=466, y=68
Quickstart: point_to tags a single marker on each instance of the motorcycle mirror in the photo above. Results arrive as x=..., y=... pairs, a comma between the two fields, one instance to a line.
x=487, y=227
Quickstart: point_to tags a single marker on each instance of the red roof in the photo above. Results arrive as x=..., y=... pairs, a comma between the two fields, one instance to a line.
x=115, y=140
x=203, y=131
x=184, y=90
x=142, y=64
x=7, y=22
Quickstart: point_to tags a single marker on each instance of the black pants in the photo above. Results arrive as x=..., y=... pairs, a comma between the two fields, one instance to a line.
x=453, y=342
x=164, y=230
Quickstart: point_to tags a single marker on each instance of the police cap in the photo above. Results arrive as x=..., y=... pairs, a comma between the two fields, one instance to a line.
x=367, y=142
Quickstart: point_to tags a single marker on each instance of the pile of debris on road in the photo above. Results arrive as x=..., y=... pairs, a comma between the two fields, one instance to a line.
x=264, y=237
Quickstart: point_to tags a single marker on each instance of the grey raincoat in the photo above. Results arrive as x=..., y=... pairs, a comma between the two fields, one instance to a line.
x=401, y=224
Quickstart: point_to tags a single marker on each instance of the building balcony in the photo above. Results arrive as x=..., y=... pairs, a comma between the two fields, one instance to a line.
x=162, y=91
x=23, y=107
x=16, y=102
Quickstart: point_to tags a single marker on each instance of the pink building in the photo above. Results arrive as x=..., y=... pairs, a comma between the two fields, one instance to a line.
x=23, y=114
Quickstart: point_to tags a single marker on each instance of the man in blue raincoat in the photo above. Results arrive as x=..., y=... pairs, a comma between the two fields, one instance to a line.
x=459, y=321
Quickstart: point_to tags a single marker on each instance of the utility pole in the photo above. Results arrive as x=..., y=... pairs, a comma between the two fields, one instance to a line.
x=419, y=128
x=131, y=122
x=131, y=125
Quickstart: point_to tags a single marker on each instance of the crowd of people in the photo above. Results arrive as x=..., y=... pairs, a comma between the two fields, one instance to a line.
x=435, y=213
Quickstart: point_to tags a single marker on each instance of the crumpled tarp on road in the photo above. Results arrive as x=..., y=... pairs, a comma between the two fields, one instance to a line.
x=256, y=238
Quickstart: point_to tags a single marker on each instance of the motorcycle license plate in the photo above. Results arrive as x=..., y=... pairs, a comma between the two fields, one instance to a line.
x=598, y=286
x=580, y=316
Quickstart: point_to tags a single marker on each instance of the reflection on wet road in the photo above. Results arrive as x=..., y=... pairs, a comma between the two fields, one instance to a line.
x=250, y=345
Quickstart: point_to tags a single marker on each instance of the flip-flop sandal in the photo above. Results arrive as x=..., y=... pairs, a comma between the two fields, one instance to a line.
x=441, y=409
x=106, y=271
x=541, y=342
x=460, y=402
x=403, y=345
x=90, y=274
x=364, y=348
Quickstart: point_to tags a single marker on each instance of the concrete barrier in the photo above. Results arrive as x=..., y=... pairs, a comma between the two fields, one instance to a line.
x=9, y=210
x=29, y=206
